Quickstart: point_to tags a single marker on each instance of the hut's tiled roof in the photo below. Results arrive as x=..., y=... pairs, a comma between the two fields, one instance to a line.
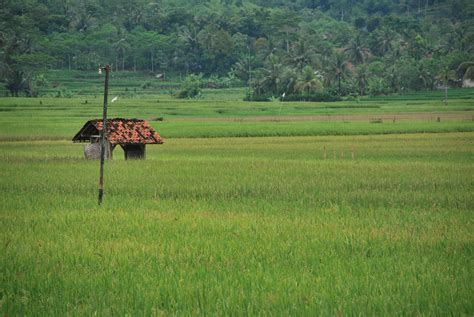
x=121, y=131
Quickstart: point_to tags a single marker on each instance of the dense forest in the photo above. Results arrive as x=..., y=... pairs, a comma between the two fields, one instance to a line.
x=296, y=47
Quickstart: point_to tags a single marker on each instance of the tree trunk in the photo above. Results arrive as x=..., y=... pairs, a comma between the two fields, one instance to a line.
x=123, y=60
x=339, y=83
x=152, y=62
x=250, y=69
x=446, y=92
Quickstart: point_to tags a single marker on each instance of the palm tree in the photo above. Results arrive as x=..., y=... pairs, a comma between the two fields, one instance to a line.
x=466, y=70
x=425, y=76
x=399, y=49
x=82, y=18
x=207, y=38
x=362, y=75
x=188, y=36
x=269, y=79
x=338, y=67
x=121, y=46
x=286, y=30
x=288, y=80
x=385, y=40
x=308, y=82
x=393, y=78
x=302, y=54
x=356, y=51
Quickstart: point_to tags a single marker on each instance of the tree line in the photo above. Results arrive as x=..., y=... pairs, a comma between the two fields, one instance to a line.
x=339, y=47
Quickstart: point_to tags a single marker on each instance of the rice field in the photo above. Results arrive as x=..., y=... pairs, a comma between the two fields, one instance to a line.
x=367, y=221
x=222, y=113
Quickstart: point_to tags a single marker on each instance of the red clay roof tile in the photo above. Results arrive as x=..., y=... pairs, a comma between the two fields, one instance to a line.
x=122, y=131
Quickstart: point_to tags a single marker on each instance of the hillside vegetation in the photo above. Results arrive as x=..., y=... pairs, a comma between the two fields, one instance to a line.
x=301, y=47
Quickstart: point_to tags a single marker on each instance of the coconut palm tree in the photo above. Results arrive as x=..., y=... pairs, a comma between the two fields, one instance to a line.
x=356, y=51
x=385, y=39
x=337, y=68
x=425, y=77
x=121, y=47
x=82, y=18
x=308, y=82
x=270, y=76
x=302, y=54
x=288, y=80
x=362, y=76
x=466, y=70
x=188, y=37
x=392, y=77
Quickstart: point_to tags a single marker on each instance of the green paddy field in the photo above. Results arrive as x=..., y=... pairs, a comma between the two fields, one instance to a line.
x=360, y=207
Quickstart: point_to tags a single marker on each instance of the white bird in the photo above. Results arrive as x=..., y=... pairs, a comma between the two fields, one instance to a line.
x=283, y=96
x=115, y=98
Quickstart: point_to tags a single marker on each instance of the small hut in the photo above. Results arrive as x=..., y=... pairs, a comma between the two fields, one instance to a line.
x=131, y=134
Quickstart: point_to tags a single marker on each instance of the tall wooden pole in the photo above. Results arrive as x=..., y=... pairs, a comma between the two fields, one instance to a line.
x=103, y=132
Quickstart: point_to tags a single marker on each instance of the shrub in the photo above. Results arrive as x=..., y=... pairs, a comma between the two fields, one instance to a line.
x=64, y=93
x=377, y=86
x=146, y=85
x=191, y=87
x=229, y=81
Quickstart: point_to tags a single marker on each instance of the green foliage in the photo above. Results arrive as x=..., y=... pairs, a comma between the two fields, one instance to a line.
x=15, y=82
x=362, y=76
x=229, y=81
x=191, y=87
x=64, y=93
x=377, y=86
x=276, y=80
x=308, y=81
x=467, y=70
x=338, y=71
x=256, y=40
x=356, y=51
x=35, y=84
